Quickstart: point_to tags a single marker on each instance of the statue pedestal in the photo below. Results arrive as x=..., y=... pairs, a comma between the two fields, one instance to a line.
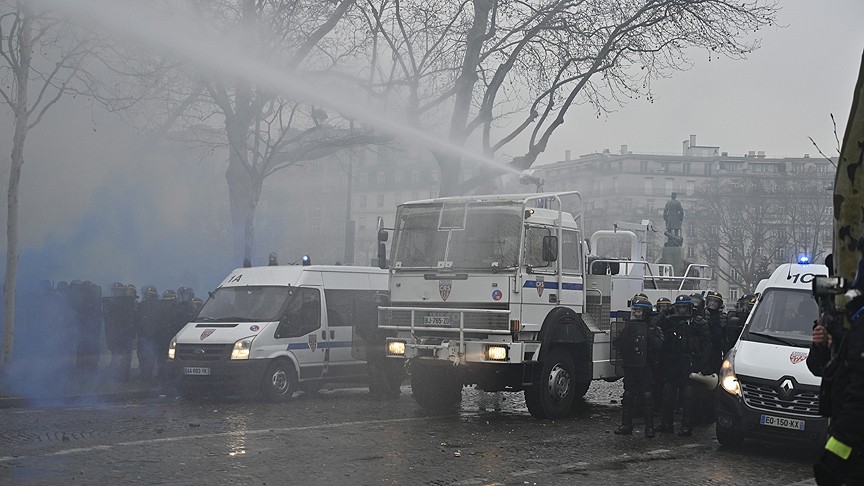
x=674, y=255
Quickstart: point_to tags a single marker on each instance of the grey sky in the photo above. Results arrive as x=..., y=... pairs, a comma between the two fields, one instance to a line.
x=784, y=93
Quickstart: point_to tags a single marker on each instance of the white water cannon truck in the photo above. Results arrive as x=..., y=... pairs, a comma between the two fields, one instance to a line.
x=503, y=292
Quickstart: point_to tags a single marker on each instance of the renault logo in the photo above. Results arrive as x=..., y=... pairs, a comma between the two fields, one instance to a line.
x=787, y=387
x=200, y=351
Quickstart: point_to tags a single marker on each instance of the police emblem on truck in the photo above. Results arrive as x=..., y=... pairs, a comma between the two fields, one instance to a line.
x=444, y=287
x=206, y=333
x=540, y=285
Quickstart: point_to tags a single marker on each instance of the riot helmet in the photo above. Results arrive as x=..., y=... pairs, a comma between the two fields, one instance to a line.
x=169, y=295
x=62, y=286
x=664, y=306
x=130, y=290
x=698, y=303
x=150, y=293
x=746, y=303
x=640, y=309
x=197, y=303
x=118, y=289
x=713, y=301
x=185, y=294
x=683, y=306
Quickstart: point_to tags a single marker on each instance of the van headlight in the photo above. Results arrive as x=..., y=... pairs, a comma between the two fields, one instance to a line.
x=241, y=348
x=172, y=348
x=728, y=380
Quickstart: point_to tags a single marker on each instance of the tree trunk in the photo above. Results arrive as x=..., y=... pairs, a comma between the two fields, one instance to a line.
x=848, y=193
x=22, y=75
x=239, y=188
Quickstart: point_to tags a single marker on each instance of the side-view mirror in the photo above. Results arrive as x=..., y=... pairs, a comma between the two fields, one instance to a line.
x=383, y=235
x=382, y=254
x=825, y=286
x=550, y=248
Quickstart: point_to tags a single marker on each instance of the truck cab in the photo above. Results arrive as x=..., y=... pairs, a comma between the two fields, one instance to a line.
x=492, y=291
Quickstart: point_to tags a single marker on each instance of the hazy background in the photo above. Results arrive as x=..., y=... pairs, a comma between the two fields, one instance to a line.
x=104, y=202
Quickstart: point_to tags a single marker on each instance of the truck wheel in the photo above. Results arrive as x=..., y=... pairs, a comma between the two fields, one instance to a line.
x=727, y=437
x=435, y=388
x=280, y=382
x=580, y=389
x=552, y=393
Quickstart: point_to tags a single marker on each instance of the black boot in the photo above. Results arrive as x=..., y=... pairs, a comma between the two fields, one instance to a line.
x=648, y=410
x=687, y=414
x=627, y=404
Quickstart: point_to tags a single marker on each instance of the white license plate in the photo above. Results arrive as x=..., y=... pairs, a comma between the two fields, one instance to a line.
x=194, y=370
x=783, y=423
x=436, y=321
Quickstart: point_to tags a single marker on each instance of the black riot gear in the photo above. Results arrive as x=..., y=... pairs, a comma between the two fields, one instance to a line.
x=639, y=344
x=663, y=306
x=698, y=304
x=119, y=315
x=683, y=306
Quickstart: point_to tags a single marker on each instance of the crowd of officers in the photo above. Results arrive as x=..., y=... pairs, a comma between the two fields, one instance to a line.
x=660, y=345
x=145, y=326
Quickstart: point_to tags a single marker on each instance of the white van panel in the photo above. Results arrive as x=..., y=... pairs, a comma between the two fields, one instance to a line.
x=773, y=361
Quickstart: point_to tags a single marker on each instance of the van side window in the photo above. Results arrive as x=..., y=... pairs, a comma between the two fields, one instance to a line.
x=571, y=259
x=302, y=313
x=534, y=247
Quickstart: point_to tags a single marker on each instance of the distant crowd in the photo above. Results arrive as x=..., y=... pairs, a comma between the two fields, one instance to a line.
x=118, y=322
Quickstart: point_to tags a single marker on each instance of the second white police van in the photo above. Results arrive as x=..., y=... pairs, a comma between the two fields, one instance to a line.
x=766, y=390
x=277, y=329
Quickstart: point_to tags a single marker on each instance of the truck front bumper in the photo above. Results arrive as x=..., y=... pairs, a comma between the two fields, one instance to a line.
x=464, y=351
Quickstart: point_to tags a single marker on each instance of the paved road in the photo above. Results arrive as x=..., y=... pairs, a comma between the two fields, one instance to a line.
x=344, y=436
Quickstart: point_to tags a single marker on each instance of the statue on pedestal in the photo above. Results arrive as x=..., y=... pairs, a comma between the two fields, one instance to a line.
x=673, y=214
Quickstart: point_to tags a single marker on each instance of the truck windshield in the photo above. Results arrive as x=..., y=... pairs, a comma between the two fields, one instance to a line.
x=784, y=316
x=478, y=235
x=244, y=304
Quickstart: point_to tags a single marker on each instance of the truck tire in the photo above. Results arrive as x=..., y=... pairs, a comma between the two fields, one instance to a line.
x=553, y=390
x=435, y=388
x=280, y=381
x=727, y=437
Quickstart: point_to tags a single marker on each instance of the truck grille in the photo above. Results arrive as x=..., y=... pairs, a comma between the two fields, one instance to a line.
x=767, y=398
x=203, y=352
x=473, y=319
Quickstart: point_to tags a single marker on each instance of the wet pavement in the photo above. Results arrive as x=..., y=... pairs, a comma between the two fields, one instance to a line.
x=345, y=436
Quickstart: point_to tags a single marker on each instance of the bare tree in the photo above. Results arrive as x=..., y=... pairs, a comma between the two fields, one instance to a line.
x=500, y=73
x=265, y=132
x=739, y=228
x=42, y=58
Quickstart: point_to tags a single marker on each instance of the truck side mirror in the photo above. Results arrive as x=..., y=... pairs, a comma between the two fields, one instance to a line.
x=382, y=235
x=550, y=248
x=382, y=254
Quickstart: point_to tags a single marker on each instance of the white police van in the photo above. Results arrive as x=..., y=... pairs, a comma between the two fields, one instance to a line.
x=766, y=391
x=277, y=329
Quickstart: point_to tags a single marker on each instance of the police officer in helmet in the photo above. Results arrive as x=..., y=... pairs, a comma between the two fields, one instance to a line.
x=639, y=344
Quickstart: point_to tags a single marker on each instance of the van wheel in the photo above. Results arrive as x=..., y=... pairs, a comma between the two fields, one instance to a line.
x=435, y=388
x=727, y=437
x=280, y=382
x=553, y=390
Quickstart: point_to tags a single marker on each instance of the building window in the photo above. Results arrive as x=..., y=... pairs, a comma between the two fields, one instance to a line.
x=690, y=252
x=643, y=167
x=707, y=169
x=780, y=254
x=379, y=203
x=382, y=179
x=415, y=177
x=686, y=168
x=649, y=186
x=397, y=177
x=362, y=201
x=733, y=294
x=670, y=185
x=691, y=188
x=735, y=274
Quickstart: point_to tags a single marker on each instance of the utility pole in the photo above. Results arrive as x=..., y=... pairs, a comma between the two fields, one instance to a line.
x=349, y=224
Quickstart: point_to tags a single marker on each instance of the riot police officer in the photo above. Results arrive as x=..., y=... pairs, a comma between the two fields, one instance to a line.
x=639, y=343
x=149, y=333
x=716, y=328
x=119, y=314
x=662, y=311
x=686, y=348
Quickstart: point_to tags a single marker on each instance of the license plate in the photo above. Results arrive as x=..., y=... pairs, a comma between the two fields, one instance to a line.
x=783, y=423
x=193, y=370
x=436, y=321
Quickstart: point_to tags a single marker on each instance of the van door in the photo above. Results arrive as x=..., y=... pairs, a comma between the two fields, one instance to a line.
x=303, y=331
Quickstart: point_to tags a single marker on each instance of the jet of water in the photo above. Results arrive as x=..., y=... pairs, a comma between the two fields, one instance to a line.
x=133, y=22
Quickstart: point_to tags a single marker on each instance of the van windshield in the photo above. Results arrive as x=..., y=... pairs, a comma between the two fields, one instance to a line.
x=783, y=316
x=244, y=304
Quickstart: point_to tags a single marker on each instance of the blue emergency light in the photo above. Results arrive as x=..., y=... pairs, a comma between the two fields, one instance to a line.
x=803, y=259
x=306, y=260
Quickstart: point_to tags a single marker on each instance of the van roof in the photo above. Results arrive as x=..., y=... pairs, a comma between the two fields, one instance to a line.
x=289, y=274
x=794, y=276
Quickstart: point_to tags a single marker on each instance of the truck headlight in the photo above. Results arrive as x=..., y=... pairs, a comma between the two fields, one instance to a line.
x=495, y=352
x=395, y=348
x=241, y=348
x=728, y=380
x=172, y=348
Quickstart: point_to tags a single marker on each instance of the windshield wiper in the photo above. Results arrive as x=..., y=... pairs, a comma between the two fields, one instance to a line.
x=232, y=319
x=772, y=338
